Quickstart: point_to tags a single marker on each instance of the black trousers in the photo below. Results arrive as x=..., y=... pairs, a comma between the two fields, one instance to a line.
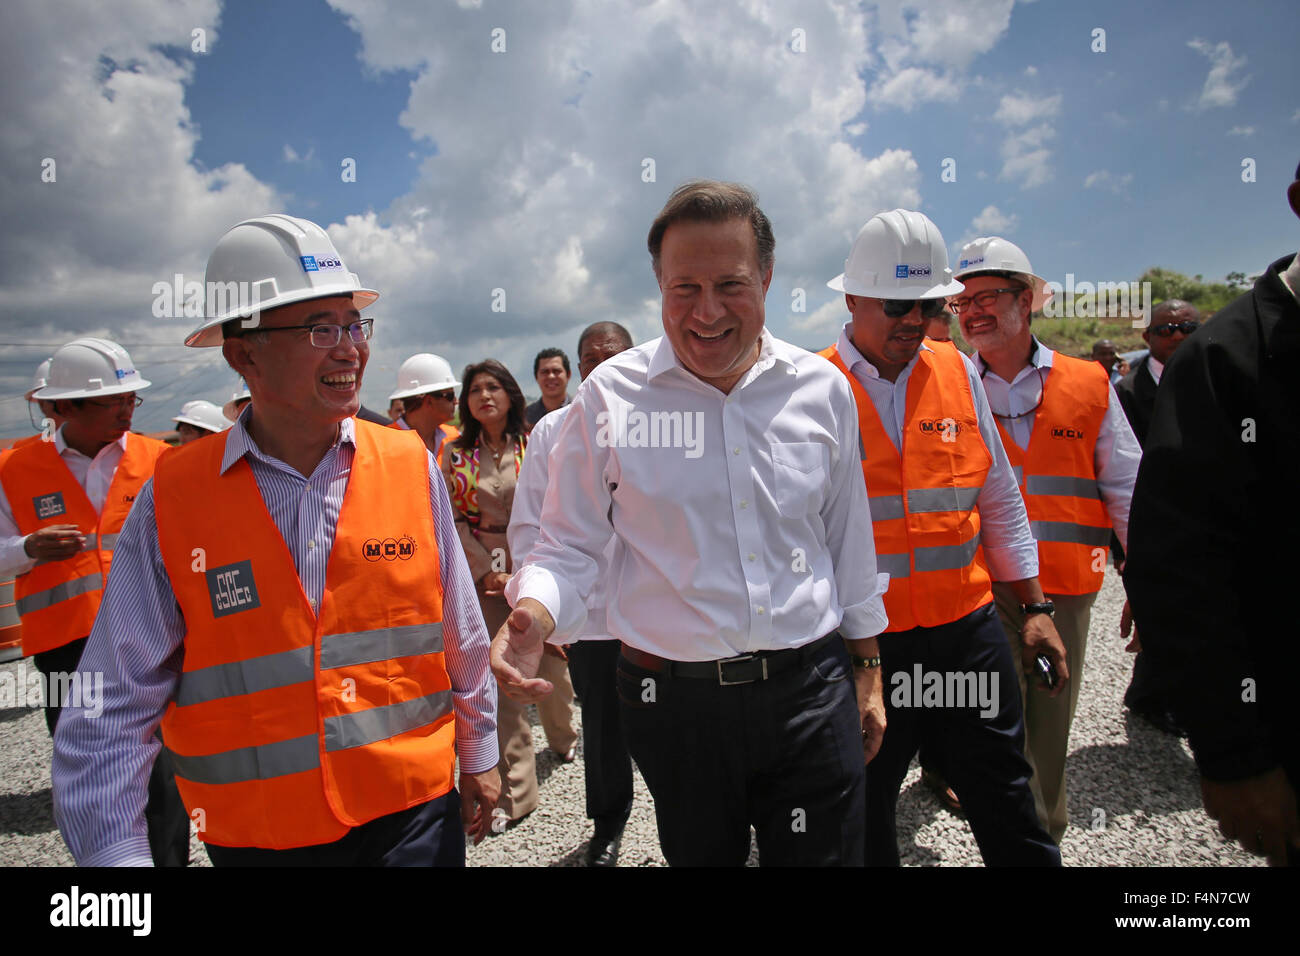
x=1145, y=690
x=981, y=758
x=606, y=763
x=164, y=813
x=783, y=755
x=430, y=834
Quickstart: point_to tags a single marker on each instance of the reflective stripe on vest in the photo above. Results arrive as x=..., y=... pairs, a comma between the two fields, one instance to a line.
x=1058, y=478
x=922, y=502
x=58, y=600
x=290, y=727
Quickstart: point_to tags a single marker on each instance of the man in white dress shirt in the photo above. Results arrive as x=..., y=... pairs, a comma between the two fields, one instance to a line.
x=724, y=462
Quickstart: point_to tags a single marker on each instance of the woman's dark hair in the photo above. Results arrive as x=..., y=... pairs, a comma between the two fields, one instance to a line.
x=470, y=429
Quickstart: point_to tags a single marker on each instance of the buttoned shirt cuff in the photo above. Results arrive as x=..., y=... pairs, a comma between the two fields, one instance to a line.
x=477, y=755
x=132, y=852
x=14, y=559
x=554, y=593
x=1014, y=563
x=866, y=618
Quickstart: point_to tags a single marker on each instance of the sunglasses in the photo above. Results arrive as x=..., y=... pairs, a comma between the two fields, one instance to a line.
x=897, y=308
x=1187, y=327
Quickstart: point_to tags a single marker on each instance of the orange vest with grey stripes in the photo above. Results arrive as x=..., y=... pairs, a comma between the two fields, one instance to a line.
x=290, y=727
x=923, y=513
x=1058, y=477
x=58, y=600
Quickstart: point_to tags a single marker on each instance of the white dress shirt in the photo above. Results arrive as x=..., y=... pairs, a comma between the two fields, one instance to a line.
x=1155, y=367
x=754, y=536
x=526, y=519
x=1116, y=455
x=1009, y=546
x=93, y=474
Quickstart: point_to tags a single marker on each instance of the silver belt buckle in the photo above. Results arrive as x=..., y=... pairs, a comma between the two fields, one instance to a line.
x=739, y=660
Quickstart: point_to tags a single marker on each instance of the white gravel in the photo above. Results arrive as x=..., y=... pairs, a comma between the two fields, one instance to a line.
x=1134, y=797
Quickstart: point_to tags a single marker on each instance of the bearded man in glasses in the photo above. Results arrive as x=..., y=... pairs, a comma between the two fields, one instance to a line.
x=1076, y=460
x=307, y=640
x=947, y=519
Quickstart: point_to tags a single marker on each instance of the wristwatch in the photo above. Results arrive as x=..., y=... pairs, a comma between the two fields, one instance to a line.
x=1040, y=607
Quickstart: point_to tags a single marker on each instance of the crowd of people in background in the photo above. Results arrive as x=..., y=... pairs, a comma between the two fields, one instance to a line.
x=952, y=513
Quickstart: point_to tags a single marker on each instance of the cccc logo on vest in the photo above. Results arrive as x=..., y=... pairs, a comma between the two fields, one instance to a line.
x=389, y=549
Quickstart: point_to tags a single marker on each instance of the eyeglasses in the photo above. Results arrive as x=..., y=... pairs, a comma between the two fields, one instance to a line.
x=135, y=401
x=415, y=401
x=1187, y=327
x=982, y=299
x=447, y=396
x=327, y=336
x=897, y=308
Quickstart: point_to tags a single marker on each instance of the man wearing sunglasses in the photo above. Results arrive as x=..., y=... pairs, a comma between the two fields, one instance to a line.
x=1171, y=322
x=307, y=639
x=1076, y=460
x=427, y=390
x=947, y=519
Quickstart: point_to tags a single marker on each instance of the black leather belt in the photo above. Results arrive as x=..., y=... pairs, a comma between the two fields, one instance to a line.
x=744, y=669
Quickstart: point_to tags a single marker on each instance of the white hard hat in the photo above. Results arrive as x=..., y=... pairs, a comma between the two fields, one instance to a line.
x=995, y=254
x=422, y=373
x=203, y=414
x=231, y=408
x=268, y=262
x=39, y=379
x=87, y=368
x=898, y=255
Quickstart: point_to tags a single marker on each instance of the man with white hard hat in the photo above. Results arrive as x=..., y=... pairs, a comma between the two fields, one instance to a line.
x=64, y=503
x=947, y=519
x=199, y=418
x=427, y=390
x=309, y=642
x=42, y=405
x=1076, y=461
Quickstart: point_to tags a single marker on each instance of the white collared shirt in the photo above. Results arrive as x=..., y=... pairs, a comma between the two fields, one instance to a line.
x=526, y=518
x=1156, y=367
x=93, y=474
x=1116, y=454
x=1009, y=546
x=750, y=532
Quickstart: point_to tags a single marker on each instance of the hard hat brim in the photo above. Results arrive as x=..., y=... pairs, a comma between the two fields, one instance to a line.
x=50, y=393
x=182, y=419
x=208, y=335
x=933, y=291
x=422, y=390
x=231, y=409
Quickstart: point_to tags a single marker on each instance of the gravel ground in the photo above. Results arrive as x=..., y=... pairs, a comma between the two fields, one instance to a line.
x=1134, y=799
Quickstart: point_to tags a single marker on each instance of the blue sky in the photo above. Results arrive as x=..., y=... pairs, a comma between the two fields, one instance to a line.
x=522, y=168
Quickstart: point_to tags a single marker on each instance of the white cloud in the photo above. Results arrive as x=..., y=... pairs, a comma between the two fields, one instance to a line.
x=913, y=86
x=1242, y=131
x=1221, y=84
x=1104, y=179
x=824, y=320
x=1021, y=109
x=992, y=221
x=1025, y=156
x=1295, y=117
x=1031, y=71
x=291, y=155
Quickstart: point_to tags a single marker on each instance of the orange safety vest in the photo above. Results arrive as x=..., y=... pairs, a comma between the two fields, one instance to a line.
x=58, y=600
x=450, y=434
x=289, y=728
x=923, y=501
x=1058, y=477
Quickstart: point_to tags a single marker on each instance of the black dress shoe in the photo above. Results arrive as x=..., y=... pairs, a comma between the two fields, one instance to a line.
x=603, y=852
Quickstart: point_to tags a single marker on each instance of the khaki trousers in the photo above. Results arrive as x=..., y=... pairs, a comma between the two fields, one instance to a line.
x=1048, y=719
x=514, y=734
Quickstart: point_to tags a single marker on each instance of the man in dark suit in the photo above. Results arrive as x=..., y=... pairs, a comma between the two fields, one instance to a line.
x=1212, y=559
x=1171, y=322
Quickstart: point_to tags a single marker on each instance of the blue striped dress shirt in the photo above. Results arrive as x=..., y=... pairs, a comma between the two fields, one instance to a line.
x=102, y=762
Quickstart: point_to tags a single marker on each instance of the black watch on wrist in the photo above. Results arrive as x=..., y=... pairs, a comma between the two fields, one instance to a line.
x=1039, y=607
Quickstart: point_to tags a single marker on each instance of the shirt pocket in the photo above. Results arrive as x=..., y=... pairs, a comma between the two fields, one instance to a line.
x=800, y=477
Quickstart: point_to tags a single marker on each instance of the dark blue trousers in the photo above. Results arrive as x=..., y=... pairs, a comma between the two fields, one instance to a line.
x=982, y=758
x=606, y=763
x=783, y=755
x=430, y=834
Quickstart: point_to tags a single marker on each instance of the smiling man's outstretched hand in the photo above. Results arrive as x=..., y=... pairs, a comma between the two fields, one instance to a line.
x=517, y=652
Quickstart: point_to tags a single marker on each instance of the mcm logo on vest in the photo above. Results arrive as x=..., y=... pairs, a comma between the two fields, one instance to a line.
x=232, y=588
x=390, y=549
x=48, y=506
x=1062, y=432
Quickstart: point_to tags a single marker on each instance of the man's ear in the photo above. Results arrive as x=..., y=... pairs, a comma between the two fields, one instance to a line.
x=767, y=277
x=238, y=355
x=1146, y=337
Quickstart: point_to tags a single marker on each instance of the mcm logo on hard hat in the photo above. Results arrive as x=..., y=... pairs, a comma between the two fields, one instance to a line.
x=970, y=262
x=904, y=271
x=320, y=263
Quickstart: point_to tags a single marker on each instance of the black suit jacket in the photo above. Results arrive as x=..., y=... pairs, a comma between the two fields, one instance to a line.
x=1214, y=535
x=1137, y=396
